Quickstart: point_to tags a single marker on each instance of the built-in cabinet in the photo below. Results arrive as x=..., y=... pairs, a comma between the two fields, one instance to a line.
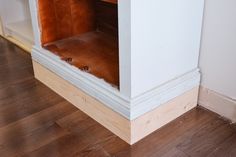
x=126, y=63
x=16, y=22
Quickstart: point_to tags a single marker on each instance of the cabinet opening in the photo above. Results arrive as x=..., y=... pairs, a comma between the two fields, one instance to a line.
x=83, y=33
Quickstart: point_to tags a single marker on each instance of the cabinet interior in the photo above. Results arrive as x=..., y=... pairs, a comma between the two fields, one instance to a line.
x=84, y=33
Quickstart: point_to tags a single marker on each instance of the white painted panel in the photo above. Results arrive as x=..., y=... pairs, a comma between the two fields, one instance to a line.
x=218, y=51
x=33, y=5
x=125, y=47
x=165, y=41
x=14, y=10
x=16, y=20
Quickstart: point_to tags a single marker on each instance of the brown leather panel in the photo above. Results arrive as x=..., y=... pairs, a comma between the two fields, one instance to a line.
x=94, y=52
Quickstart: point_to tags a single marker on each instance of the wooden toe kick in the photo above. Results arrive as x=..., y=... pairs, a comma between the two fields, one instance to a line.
x=130, y=131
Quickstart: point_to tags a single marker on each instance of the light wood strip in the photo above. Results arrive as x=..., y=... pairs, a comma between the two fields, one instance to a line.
x=95, y=109
x=162, y=115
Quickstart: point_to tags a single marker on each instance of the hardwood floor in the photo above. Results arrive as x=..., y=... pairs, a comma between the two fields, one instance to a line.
x=36, y=122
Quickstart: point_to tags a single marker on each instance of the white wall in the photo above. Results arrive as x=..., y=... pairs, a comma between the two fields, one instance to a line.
x=218, y=50
x=14, y=10
x=165, y=41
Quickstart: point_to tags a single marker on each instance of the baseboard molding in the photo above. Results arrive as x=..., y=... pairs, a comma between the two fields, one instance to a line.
x=112, y=97
x=95, y=87
x=26, y=47
x=217, y=103
x=164, y=93
x=130, y=131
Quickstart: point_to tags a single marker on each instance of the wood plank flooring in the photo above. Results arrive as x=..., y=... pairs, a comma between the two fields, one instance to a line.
x=36, y=122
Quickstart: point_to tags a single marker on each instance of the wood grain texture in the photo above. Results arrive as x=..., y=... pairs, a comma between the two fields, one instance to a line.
x=61, y=19
x=95, y=53
x=95, y=109
x=84, y=33
x=129, y=131
x=58, y=129
x=163, y=114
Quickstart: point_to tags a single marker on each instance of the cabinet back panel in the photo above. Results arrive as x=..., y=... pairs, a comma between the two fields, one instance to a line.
x=61, y=19
x=107, y=17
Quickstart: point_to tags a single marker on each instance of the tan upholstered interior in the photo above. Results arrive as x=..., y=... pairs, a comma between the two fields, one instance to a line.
x=84, y=33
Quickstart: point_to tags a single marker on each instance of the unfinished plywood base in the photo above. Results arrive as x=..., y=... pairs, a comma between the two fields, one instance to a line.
x=95, y=109
x=151, y=121
x=218, y=103
x=129, y=131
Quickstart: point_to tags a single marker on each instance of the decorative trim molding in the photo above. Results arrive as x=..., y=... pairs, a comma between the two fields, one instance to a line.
x=110, y=96
x=217, y=103
x=164, y=93
x=22, y=45
x=88, y=83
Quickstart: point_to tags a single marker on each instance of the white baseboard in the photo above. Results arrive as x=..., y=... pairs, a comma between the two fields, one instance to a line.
x=15, y=41
x=164, y=93
x=217, y=103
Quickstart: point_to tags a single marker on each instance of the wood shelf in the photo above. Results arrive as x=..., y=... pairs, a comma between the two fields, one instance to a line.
x=92, y=52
